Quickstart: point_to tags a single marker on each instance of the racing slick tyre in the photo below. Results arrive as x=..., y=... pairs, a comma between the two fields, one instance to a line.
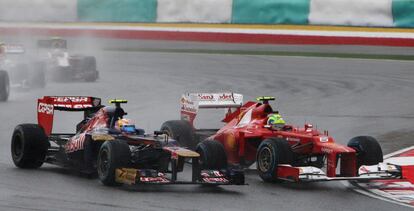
x=271, y=153
x=89, y=66
x=181, y=131
x=212, y=155
x=112, y=155
x=92, y=76
x=4, y=85
x=29, y=146
x=368, y=150
x=38, y=75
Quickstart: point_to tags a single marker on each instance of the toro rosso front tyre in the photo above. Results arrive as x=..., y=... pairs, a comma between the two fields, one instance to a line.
x=270, y=154
x=212, y=155
x=4, y=85
x=29, y=146
x=112, y=155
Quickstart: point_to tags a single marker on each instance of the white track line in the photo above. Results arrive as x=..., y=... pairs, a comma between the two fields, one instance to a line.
x=376, y=196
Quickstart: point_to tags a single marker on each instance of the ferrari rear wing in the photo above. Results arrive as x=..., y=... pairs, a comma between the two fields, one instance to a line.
x=190, y=103
x=48, y=104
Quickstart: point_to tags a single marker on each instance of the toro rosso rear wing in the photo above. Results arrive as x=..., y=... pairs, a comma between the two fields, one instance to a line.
x=48, y=104
x=374, y=172
x=190, y=103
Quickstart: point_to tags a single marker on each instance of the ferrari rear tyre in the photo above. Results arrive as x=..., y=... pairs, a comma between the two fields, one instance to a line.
x=181, y=131
x=29, y=146
x=368, y=150
x=4, y=85
x=270, y=154
x=212, y=155
x=112, y=155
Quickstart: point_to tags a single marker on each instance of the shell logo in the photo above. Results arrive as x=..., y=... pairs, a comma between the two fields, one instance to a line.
x=231, y=142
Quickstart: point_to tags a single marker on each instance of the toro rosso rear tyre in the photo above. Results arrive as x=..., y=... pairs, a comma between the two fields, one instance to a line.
x=4, y=85
x=368, y=150
x=270, y=154
x=112, y=155
x=212, y=155
x=29, y=146
x=181, y=131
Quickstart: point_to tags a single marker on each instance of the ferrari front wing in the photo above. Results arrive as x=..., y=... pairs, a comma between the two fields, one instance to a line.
x=313, y=174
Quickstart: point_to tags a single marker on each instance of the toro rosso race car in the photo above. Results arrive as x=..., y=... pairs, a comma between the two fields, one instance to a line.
x=24, y=71
x=291, y=153
x=65, y=67
x=118, y=154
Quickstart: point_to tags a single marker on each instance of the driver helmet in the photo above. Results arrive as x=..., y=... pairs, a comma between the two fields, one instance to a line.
x=276, y=119
x=125, y=125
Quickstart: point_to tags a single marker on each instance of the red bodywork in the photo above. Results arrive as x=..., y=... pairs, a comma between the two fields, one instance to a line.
x=246, y=128
x=48, y=104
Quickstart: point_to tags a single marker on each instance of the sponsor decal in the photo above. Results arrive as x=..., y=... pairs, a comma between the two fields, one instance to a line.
x=188, y=108
x=215, y=180
x=75, y=143
x=45, y=108
x=225, y=97
x=154, y=179
x=292, y=139
x=327, y=150
x=186, y=101
x=71, y=99
x=73, y=105
x=203, y=97
x=324, y=139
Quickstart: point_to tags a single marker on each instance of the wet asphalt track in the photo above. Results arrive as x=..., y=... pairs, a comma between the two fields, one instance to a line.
x=348, y=97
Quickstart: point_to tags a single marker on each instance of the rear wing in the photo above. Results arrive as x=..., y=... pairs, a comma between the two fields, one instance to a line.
x=48, y=104
x=12, y=49
x=52, y=43
x=190, y=103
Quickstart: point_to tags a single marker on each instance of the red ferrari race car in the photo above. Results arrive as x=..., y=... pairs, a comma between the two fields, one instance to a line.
x=108, y=144
x=281, y=152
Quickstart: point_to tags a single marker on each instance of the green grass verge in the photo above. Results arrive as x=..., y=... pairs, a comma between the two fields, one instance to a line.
x=271, y=53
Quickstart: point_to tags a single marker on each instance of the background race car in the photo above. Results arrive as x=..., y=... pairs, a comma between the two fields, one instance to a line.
x=282, y=151
x=4, y=86
x=25, y=70
x=63, y=66
x=119, y=154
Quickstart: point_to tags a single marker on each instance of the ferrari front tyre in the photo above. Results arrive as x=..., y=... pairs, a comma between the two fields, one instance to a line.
x=4, y=85
x=181, y=131
x=112, y=155
x=212, y=155
x=29, y=146
x=271, y=153
x=368, y=150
